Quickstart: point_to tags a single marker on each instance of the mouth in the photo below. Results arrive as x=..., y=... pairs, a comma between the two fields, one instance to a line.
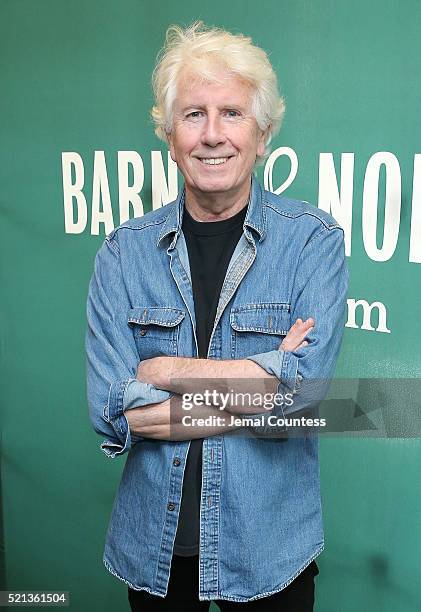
x=214, y=161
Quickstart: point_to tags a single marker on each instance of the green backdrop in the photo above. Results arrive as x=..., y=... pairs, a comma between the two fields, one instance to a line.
x=75, y=78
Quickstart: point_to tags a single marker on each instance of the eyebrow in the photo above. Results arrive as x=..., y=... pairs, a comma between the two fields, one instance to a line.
x=203, y=107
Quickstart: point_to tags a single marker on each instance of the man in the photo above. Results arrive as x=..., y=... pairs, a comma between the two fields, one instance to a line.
x=229, y=287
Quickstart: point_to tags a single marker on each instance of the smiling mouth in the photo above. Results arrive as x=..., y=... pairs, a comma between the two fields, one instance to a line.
x=214, y=161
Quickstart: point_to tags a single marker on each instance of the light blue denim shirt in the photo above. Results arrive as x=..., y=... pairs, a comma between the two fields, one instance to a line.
x=260, y=514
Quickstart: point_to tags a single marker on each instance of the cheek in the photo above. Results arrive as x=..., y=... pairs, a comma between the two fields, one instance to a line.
x=249, y=140
x=183, y=142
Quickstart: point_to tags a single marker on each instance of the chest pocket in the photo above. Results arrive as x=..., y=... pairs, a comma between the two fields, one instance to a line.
x=156, y=330
x=258, y=328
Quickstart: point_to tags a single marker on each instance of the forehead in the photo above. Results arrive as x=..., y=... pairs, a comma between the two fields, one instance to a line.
x=226, y=89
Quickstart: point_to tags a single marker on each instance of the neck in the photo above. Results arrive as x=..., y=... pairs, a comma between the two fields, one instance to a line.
x=216, y=206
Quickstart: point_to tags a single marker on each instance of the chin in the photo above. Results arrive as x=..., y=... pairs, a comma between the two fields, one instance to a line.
x=209, y=186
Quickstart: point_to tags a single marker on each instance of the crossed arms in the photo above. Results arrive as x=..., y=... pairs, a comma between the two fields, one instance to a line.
x=180, y=375
x=319, y=291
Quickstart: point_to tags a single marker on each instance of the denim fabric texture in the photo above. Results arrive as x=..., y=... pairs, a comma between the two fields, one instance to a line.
x=261, y=517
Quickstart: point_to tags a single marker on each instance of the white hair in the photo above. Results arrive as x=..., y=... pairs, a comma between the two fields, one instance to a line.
x=205, y=51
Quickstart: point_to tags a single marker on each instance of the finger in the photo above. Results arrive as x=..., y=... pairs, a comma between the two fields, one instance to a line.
x=300, y=325
x=294, y=340
x=290, y=346
x=305, y=324
x=296, y=336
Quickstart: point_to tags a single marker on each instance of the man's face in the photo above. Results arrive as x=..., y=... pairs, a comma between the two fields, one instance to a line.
x=215, y=138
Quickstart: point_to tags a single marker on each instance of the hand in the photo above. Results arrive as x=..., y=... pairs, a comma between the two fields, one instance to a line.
x=151, y=421
x=164, y=421
x=294, y=340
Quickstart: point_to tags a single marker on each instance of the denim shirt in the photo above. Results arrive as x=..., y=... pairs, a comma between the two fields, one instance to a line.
x=260, y=514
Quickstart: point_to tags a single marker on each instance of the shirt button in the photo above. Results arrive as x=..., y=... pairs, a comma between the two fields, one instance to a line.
x=176, y=462
x=171, y=506
x=143, y=332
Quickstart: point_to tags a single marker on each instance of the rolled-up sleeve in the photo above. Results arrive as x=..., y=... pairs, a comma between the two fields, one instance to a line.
x=319, y=291
x=111, y=355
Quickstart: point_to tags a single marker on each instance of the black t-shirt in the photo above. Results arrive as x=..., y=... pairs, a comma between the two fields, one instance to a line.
x=210, y=246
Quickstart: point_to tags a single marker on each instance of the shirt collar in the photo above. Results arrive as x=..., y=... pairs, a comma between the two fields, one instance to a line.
x=255, y=216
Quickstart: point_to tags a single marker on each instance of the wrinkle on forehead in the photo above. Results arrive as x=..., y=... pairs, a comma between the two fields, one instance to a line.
x=189, y=81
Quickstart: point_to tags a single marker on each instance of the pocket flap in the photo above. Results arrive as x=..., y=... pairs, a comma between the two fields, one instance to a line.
x=156, y=315
x=264, y=318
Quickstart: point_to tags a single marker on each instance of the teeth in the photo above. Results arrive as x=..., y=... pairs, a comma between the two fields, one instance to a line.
x=215, y=160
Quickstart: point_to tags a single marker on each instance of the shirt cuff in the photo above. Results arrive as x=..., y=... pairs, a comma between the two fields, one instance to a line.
x=140, y=394
x=282, y=364
x=122, y=396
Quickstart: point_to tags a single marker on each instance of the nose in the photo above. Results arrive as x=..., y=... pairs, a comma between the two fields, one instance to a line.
x=213, y=132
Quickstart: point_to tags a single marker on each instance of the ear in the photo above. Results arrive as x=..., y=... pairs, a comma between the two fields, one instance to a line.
x=171, y=146
x=262, y=140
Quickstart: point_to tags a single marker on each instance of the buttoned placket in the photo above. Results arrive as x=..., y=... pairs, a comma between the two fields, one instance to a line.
x=180, y=271
x=241, y=260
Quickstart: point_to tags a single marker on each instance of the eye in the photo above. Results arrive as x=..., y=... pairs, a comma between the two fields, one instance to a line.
x=194, y=115
x=232, y=114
